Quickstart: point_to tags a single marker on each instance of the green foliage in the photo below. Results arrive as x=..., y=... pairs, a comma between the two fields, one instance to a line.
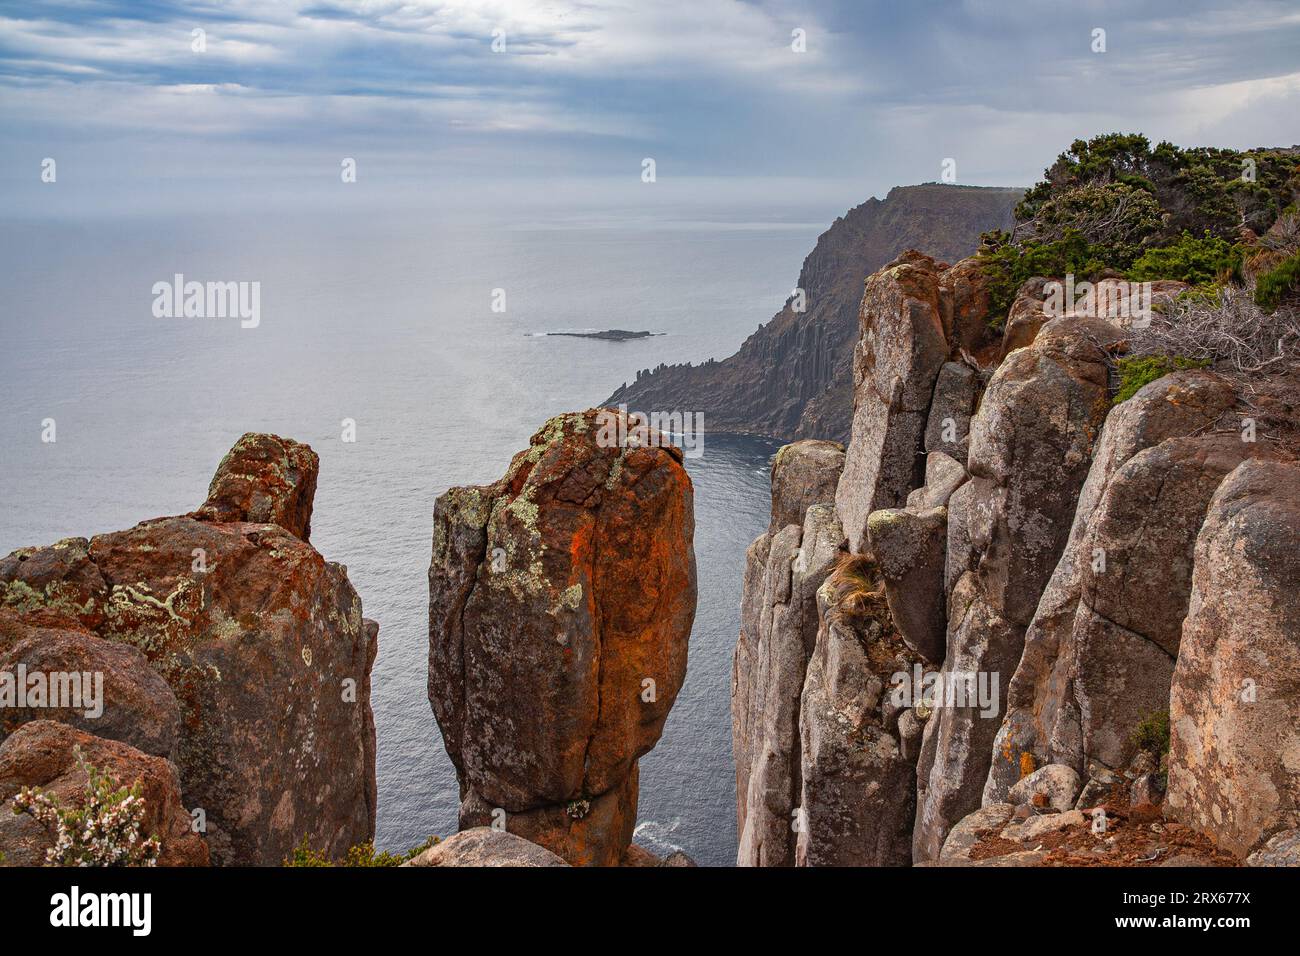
x=1152, y=734
x=1273, y=286
x=1198, y=189
x=1007, y=266
x=1137, y=372
x=361, y=855
x=104, y=831
x=1189, y=259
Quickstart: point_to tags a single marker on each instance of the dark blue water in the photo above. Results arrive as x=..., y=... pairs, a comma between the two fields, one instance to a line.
x=388, y=322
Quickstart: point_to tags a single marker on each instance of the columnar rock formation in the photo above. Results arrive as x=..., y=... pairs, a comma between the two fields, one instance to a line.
x=561, y=600
x=229, y=645
x=1234, y=759
x=1107, y=563
x=778, y=631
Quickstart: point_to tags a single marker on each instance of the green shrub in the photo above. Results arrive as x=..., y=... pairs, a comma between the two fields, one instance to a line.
x=1007, y=266
x=1273, y=286
x=1152, y=734
x=361, y=855
x=1189, y=259
x=1137, y=372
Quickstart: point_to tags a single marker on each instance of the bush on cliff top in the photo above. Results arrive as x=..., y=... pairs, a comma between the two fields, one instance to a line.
x=1279, y=282
x=1142, y=370
x=1191, y=260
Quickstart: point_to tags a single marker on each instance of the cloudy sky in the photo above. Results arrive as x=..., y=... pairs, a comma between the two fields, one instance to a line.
x=281, y=91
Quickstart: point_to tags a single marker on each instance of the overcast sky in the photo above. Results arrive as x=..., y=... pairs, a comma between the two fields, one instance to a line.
x=583, y=91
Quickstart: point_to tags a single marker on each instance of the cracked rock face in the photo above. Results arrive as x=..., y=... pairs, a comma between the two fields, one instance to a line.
x=261, y=641
x=1234, y=714
x=561, y=600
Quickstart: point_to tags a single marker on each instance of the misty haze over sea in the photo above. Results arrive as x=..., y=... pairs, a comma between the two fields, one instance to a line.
x=386, y=319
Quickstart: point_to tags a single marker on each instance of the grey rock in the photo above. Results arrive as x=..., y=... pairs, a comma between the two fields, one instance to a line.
x=1058, y=784
x=484, y=846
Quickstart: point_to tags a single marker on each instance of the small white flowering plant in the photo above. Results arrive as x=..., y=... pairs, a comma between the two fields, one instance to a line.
x=104, y=831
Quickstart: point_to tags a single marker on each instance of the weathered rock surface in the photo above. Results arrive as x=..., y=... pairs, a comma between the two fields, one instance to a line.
x=778, y=629
x=947, y=428
x=561, y=602
x=263, y=644
x=966, y=833
x=1031, y=444
x=1282, y=849
x=804, y=473
x=121, y=697
x=42, y=753
x=1044, y=717
x=484, y=846
x=265, y=479
x=1056, y=786
x=858, y=793
x=911, y=548
x=896, y=362
x=1234, y=760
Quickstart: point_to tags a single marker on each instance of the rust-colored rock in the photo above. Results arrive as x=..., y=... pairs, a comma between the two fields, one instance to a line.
x=264, y=479
x=560, y=604
x=41, y=754
x=118, y=695
x=262, y=642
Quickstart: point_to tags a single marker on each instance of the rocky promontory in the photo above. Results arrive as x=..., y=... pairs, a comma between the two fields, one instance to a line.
x=235, y=664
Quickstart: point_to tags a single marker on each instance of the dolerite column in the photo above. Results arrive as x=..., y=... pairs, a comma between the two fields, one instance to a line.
x=561, y=600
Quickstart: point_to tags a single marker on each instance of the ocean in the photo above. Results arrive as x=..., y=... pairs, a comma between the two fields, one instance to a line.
x=387, y=320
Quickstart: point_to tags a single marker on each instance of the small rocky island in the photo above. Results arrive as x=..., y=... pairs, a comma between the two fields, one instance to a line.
x=609, y=335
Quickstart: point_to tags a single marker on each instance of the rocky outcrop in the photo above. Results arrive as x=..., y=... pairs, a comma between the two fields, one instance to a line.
x=560, y=605
x=1030, y=447
x=265, y=479
x=1129, y=676
x=793, y=378
x=1234, y=759
x=485, y=846
x=260, y=639
x=896, y=362
x=778, y=630
x=45, y=754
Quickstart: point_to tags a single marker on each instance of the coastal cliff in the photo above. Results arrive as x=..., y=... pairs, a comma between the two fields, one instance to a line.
x=793, y=377
x=1055, y=523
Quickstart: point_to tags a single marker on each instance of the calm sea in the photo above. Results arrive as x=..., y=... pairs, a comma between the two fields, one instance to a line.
x=388, y=321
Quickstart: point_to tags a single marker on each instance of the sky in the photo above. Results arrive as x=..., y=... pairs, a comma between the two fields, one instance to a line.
x=555, y=101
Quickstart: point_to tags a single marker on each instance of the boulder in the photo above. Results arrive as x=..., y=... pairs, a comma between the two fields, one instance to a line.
x=484, y=846
x=896, y=362
x=968, y=831
x=43, y=754
x=560, y=605
x=1026, y=316
x=943, y=476
x=1056, y=786
x=1282, y=849
x=264, y=479
x=1234, y=759
x=118, y=695
x=804, y=473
